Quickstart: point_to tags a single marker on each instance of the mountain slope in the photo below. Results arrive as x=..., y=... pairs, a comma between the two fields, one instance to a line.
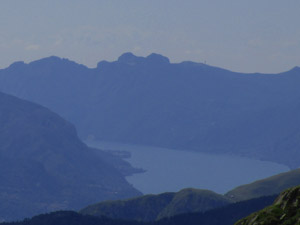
x=226, y=215
x=45, y=167
x=269, y=186
x=154, y=207
x=150, y=101
x=285, y=210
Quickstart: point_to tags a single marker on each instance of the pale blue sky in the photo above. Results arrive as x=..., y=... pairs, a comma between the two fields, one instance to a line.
x=240, y=35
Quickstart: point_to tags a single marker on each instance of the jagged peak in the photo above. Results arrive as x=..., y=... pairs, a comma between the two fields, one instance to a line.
x=131, y=59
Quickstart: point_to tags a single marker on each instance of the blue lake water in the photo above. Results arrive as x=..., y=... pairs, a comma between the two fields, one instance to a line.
x=173, y=170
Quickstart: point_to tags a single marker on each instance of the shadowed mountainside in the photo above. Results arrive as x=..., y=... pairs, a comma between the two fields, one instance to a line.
x=45, y=167
x=154, y=207
x=226, y=215
x=150, y=101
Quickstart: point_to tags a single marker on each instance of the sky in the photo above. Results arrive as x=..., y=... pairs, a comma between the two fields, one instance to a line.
x=239, y=35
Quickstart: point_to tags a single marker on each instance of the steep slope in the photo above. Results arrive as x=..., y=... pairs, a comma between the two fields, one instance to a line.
x=269, y=186
x=45, y=167
x=150, y=101
x=154, y=207
x=285, y=210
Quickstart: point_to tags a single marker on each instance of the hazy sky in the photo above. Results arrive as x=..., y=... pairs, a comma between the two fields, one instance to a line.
x=240, y=35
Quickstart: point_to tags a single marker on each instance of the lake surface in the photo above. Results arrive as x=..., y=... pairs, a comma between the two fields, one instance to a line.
x=173, y=170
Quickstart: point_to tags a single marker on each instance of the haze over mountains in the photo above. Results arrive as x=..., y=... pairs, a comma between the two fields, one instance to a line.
x=150, y=101
x=45, y=167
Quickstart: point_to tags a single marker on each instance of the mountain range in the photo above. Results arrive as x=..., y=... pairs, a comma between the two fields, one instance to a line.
x=226, y=215
x=45, y=167
x=155, y=207
x=170, y=204
x=150, y=101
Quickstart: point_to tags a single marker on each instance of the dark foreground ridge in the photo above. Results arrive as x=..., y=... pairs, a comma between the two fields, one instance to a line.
x=45, y=167
x=268, y=186
x=155, y=207
x=226, y=215
x=284, y=211
x=150, y=101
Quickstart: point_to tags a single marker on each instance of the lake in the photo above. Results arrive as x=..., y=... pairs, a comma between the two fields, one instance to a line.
x=172, y=170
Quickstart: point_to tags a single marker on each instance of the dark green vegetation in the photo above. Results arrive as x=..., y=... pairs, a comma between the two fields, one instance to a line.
x=269, y=186
x=70, y=218
x=226, y=215
x=284, y=211
x=150, y=101
x=154, y=207
x=45, y=167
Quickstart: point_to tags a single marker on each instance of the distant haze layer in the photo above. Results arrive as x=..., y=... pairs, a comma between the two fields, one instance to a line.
x=246, y=36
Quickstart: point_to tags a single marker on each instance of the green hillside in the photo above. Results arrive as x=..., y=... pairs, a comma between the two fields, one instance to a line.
x=153, y=207
x=226, y=215
x=284, y=211
x=269, y=186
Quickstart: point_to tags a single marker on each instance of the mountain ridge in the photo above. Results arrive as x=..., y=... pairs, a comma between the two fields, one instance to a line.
x=155, y=207
x=187, y=106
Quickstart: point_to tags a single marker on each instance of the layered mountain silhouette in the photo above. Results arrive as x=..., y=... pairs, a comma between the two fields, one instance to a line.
x=155, y=207
x=226, y=215
x=170, y=204
x=45, y=167
x=150, y=101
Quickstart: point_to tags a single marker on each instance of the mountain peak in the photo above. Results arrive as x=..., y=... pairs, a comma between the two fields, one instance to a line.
x=131, y=59
x=296, y=68
x=17, y=65
x=48, y=60
x=157, y=58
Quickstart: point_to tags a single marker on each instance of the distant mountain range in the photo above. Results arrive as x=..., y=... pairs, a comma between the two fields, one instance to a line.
x=45, y=167
x=150, y=101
